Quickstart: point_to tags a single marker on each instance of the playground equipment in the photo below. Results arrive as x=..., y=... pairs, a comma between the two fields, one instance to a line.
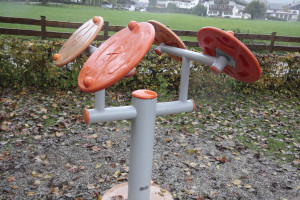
x=117, y=58
x=79, y=42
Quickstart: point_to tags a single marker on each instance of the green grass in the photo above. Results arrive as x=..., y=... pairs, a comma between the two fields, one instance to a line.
x=75, y=13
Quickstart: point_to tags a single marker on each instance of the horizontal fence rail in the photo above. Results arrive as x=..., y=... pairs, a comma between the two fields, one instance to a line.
x=43, y=33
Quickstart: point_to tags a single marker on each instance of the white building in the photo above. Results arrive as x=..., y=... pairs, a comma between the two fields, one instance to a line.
x=226, y=8
x=141, y=3
x=187, y=4
x=276, y=11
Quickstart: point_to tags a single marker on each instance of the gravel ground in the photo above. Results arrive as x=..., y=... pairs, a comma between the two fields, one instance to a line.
x=82, y=162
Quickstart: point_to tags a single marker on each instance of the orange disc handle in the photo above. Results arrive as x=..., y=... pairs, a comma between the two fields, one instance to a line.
x=116, y=57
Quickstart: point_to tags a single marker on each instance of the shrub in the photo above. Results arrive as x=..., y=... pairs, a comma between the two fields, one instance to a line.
x=28, y=63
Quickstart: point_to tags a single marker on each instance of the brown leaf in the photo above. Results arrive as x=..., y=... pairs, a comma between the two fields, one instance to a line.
x=296, y=162
x=11, y=179
x=119, y=197
x=30, y=194
x=188, y=179
x=221, y=159
x=95, y=149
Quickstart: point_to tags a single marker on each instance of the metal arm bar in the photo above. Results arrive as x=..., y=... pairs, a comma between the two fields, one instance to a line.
x=219, y=62
x=90, y=50
x=129, y=112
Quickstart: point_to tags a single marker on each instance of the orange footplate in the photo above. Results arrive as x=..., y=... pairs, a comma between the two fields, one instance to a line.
x=116, y=57
x=246, y=68
x=165, y=35
x=78, y=41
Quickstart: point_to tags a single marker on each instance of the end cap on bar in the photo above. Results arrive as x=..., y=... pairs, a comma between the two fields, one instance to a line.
x=86, y=116
x=215, y=70
x=144, y=94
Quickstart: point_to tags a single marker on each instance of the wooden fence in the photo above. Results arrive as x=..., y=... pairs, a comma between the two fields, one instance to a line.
x=43, y=33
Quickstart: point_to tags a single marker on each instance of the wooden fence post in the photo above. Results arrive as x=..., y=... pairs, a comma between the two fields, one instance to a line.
x=106, y=30
x=273, y=37
x=43, y=27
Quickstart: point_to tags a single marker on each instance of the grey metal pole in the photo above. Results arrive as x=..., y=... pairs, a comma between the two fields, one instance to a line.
x=100, y=100
x=141, y=145
x=184, y=79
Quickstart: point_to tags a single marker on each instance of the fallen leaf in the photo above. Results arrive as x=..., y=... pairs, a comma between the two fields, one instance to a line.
x=95, y=149
x=236, y=182
x=68, y=165
x=247, y=186
x=108, y=143
x=91, y=186
x=37, y=182
x=117, y=174
x=296, y=162
x=221, y=159
x=188, y=179
x=30, y=194
x=11, y=179
x=59, y=134
x=14, y=187
x=98, y=165
x=47, y=176
x=194, y=165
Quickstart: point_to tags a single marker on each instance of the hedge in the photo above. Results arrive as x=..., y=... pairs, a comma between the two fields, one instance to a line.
x=29, y=63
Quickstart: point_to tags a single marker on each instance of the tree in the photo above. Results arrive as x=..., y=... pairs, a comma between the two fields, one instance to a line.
x=152, y=3
x=256, y=9
x=199, y=9
x=171, y=7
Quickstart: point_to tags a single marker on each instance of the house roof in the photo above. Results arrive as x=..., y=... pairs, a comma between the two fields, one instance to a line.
x=241, y=2
x=274, y=6
x=280, y=12
x=295, y=6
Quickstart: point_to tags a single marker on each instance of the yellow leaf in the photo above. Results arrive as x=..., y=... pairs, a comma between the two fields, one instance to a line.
x=236, y=182
x=99, y=197
x=44, y=110
x=30, y=194
x=192, y=164
x=48, y=176
x=98, y=165
x=91, y=186
x=33, y=173
x=117, y=174
x=59, y=134
x=14, y=187
x=247, y=186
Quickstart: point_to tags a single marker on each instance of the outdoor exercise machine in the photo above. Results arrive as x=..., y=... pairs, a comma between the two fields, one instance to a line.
x=117, y=58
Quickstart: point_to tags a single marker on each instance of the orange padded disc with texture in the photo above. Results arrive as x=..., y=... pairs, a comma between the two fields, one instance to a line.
x=116, y=57
x=165, y=35
x=78, y=41
x=246, y=69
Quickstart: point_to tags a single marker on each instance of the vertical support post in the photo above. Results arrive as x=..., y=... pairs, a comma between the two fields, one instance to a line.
x=106, y=24
x=43, y=27
x=141, y=145
x=184, y=80
x=100, y=100
x=273, y=36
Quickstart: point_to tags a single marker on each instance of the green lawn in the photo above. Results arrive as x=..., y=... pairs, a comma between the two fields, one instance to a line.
x=75, y=13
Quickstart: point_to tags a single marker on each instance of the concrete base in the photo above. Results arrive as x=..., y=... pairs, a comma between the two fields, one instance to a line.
x=120, y=192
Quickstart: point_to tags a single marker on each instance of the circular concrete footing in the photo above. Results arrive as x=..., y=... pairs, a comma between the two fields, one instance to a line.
x=120, y=192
